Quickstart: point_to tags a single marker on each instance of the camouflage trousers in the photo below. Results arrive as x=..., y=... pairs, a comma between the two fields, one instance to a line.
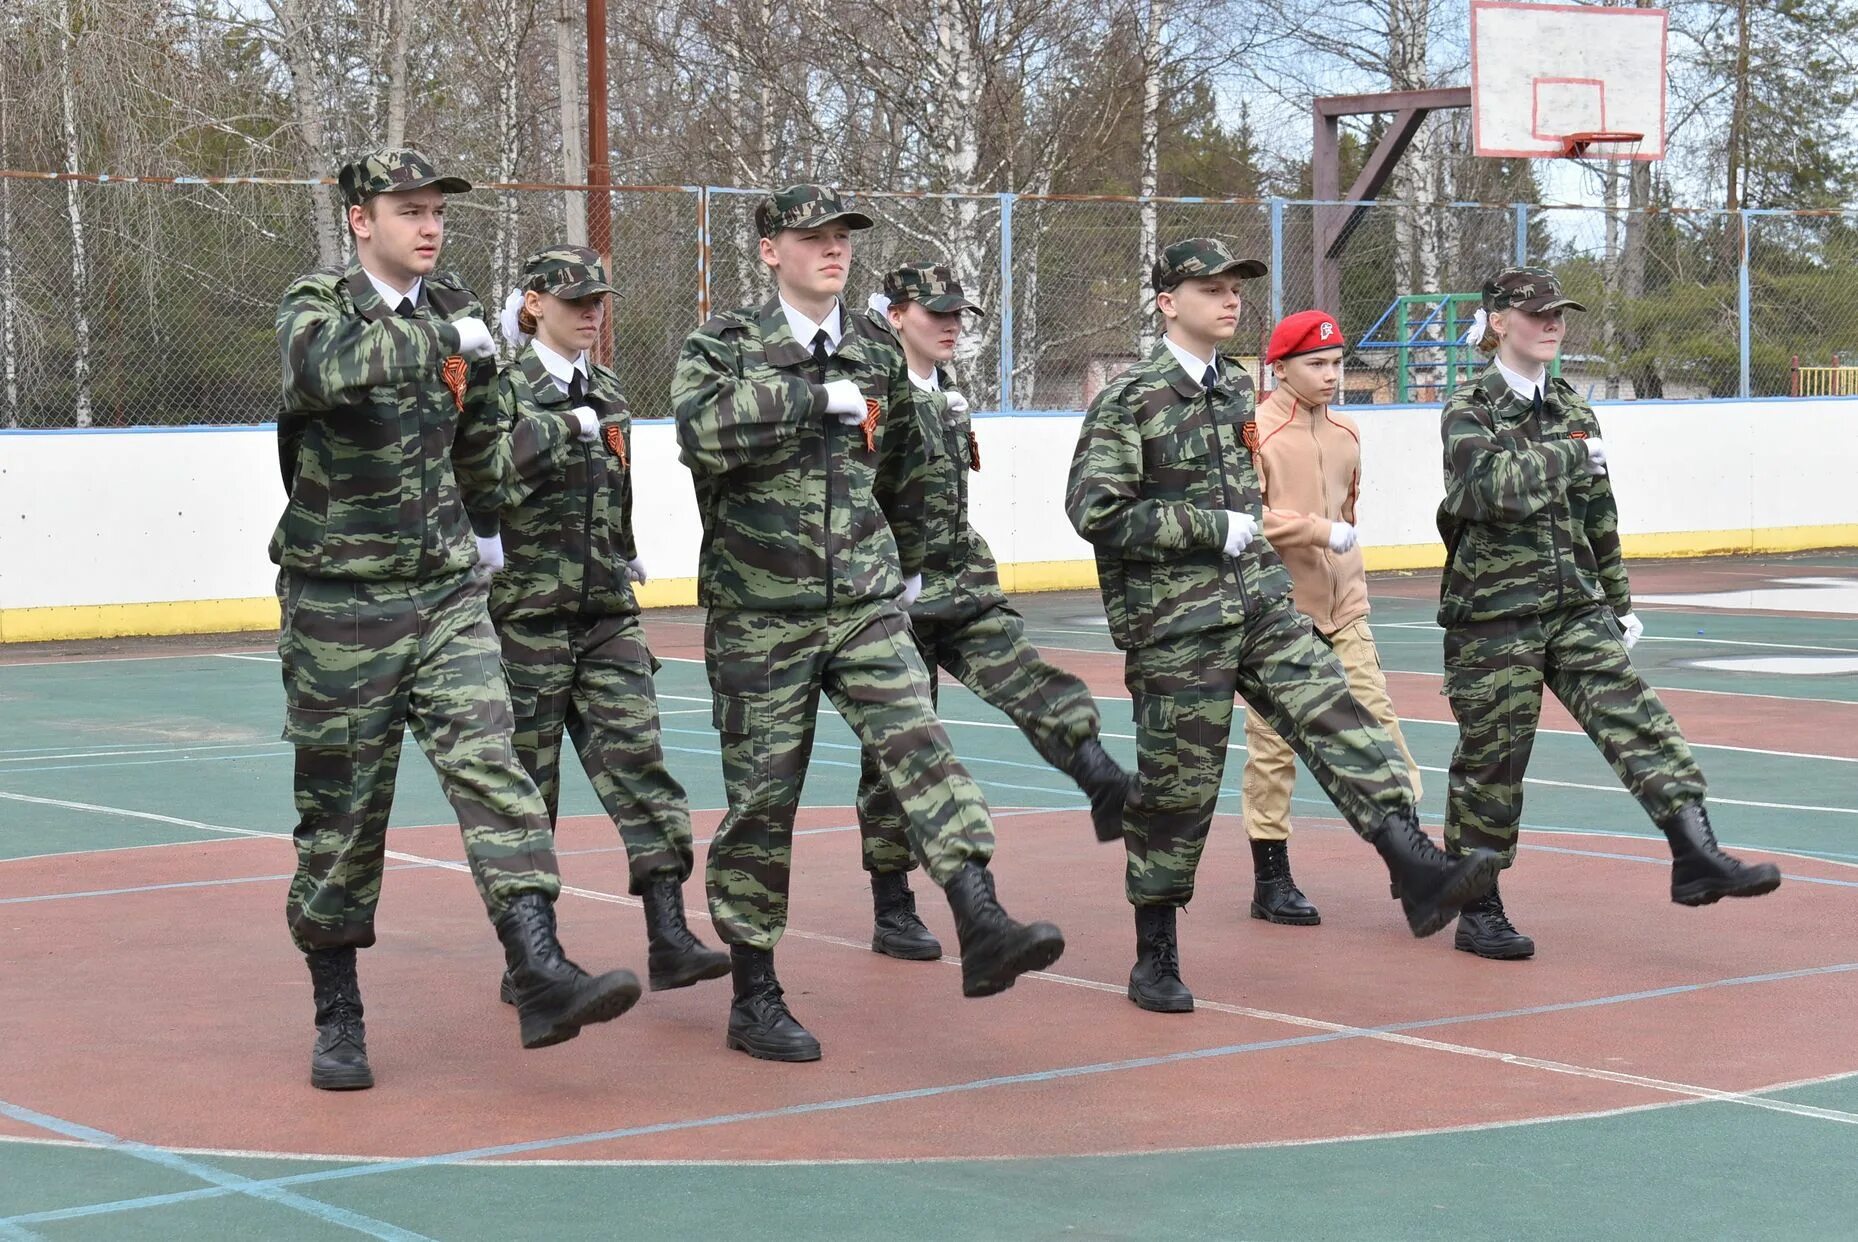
x=767, y=670
x=593, y=680
x=364, y=661
x=1494, y=673
x=989, y=654
x=1271, y=766
x=1183, y=691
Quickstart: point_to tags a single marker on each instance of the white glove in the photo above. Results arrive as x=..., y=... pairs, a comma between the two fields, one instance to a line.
x=1241, y=529
x=509, y=320
x=635, y=570
x=489, y=554
x=1634, y=628
x=1596, y=455
x=587, y=420
x=912, y=587
x=474, y=338
x=844, y=399
x=956, y=401
x=1342, y=536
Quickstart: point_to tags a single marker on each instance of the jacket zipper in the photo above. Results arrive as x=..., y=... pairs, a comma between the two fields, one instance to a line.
x=587, y=523
x=1322, y=478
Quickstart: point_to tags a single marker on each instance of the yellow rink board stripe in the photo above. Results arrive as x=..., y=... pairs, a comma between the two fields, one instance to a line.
x=216, y=616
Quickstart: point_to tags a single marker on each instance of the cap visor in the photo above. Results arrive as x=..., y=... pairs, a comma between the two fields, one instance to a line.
x=1539, y=305
x=850, y=219
x=949, y=303
x=583, y=289
x=444, y=185
x=1247, y=269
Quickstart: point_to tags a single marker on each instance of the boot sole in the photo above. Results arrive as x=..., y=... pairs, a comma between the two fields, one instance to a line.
x=764, y=1053
x=1471, y=883
x=613, y=995
x=907, y=953
x=1498, y=955
x=1035, y=954
x=667, y=981
x=345, y=1080
x=1285, y=920
x=1708, y=893
x=1156, y=1006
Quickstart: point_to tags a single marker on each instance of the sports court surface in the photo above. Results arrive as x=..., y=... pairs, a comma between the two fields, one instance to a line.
x=1655, y=1071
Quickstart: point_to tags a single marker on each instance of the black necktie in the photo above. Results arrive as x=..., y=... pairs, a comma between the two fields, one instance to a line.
x=1210, y=380
x=577, y=388
x=1536, y=403
x=820, y=341
x=406, y=310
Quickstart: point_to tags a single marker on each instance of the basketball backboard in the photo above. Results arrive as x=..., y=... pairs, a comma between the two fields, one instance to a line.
x=1540, y=72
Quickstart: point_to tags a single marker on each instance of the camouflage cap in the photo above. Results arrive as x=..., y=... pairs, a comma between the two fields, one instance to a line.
x=929, y=285
x=566, y=272
x=805, y=207
x=1526, y=288
x=1200, y=256
x=393, y=171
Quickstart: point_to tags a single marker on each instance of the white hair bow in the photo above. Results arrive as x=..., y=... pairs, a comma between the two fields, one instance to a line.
x=509, y=320
x=1480, y=323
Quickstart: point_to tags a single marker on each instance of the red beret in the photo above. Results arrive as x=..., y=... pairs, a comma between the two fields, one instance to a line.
x=1303, y=333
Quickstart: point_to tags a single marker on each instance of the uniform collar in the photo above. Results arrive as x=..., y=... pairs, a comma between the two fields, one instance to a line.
x=561, y=368
x=390, y=296
x=1194, y=367
x=805, y=329
x=1522, y=385
x=931, y=382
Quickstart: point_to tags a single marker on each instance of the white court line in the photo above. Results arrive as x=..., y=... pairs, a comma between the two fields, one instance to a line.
x=1652, y=638
x=176, y=655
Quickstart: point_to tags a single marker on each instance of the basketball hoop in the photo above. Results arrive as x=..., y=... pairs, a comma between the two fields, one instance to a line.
x=1581, y=145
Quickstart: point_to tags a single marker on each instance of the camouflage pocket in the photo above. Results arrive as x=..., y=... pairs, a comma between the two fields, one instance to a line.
x=736, y=719
x=315, y=726
x=525, y=690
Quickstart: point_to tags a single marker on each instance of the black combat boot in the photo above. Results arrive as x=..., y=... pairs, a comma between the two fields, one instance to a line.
x=759, y=1021
x=554, y=998
x=339, y=1062
x=675, y=957
x=1155, y=981
x=1275, y=896
x=897, y=931
x=1430, y=884
x=1107, y=784
x=995, y=950
x=1484, y=929
x=1700, y=872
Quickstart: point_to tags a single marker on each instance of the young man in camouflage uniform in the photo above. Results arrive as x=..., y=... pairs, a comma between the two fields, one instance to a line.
x=812, y=530
x=1163, y=485
x=961, y=621
x=1534, y=593
x=384, y=621
x=556, y=476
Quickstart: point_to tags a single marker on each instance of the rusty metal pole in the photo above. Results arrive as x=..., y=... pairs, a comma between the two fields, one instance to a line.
x=599, y=171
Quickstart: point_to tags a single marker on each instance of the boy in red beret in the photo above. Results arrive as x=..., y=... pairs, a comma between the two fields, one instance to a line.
x=1309, y=466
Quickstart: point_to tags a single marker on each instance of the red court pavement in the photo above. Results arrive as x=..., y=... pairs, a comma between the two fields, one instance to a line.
x=182, y=1016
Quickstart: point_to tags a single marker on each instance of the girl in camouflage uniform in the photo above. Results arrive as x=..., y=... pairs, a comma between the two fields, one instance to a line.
x=558, y=473
x=1535, y=593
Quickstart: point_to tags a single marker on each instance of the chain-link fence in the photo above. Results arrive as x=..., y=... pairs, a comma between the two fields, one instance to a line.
x=167, y=319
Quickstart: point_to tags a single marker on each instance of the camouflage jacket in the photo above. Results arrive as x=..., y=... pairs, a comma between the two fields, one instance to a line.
x=1527, y=530
x=372, y=406
x=798, y=512
x=1155, y=463
x=563, y=504
x=960, y=579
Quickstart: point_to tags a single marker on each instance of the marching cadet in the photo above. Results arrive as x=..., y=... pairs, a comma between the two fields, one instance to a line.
x=1534, y=593
x=557, y=478
x=961, y=622
x=812, y=537
x=384, y=620
x=1163, y=484
x=1308, y=463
